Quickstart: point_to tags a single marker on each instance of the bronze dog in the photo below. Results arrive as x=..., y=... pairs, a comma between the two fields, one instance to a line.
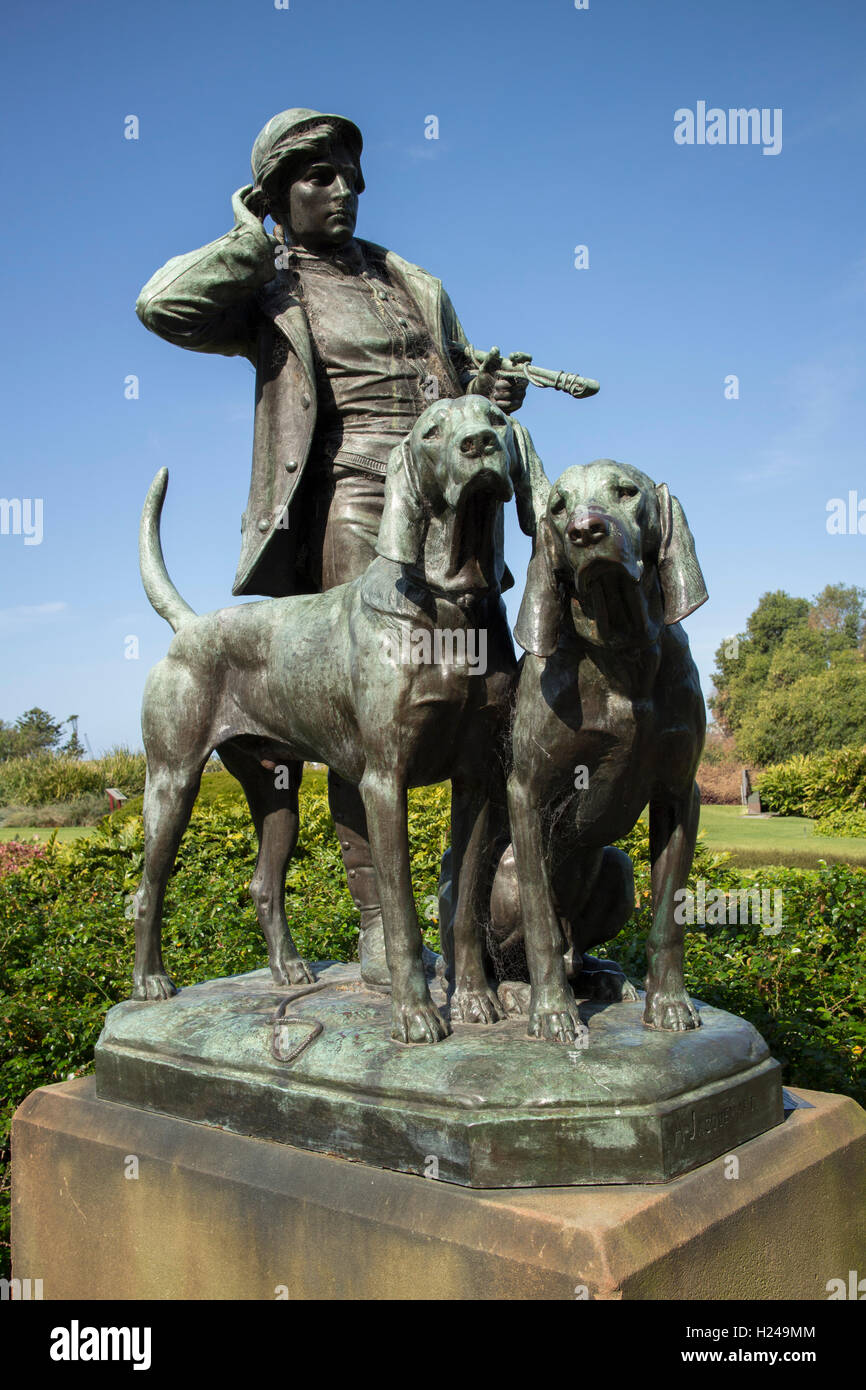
x=341, y=677
x=609, y=716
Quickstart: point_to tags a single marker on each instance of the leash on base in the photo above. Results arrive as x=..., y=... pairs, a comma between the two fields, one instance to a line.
x=281, y=1049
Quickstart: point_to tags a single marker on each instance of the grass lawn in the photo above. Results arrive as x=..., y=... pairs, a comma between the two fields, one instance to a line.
x=753, y=840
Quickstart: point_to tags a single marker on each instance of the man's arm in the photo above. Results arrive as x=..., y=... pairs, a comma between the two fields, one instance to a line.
x=205, y=300
x=456, y=342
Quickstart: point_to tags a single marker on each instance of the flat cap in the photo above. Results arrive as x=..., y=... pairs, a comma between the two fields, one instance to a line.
x=289, y=130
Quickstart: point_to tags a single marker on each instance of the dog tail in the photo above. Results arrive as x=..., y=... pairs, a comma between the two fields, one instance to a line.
x=162, y=594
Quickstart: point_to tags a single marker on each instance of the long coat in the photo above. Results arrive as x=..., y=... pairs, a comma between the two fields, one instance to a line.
x=231, y=297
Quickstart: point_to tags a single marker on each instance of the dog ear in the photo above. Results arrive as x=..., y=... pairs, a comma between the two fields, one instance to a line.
x=537, y=627
x=531, y=483
x=401, y=531
x=683, y=587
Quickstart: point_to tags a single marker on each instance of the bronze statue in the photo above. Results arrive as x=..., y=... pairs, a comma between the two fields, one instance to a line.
x=385, y=453
x=350, y=344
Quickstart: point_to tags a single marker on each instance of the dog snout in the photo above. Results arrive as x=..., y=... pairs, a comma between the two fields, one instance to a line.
x=587, y=528
x=479, y=443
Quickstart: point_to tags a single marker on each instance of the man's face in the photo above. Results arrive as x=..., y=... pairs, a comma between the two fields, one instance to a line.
x=321, y=204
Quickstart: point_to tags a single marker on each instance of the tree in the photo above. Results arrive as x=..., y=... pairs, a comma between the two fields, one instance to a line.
x=743, y=665
x=73, y=747
x=774, y=616
x=8, y=744
x=795, y=680
x=813, y=714
x=840, y=608
x=37, y=732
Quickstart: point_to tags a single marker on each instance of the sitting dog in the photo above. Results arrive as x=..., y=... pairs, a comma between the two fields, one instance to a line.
x=609, y=716
x=342, y=678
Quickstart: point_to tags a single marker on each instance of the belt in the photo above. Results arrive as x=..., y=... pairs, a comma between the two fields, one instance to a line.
x=345, y=458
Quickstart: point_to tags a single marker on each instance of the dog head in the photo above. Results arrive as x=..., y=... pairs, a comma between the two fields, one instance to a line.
x=618, y=549
x=459, y=456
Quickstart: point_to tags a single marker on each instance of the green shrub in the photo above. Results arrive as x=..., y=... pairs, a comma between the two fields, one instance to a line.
x=827, y=787
x=783, y=786
x=66, y=940
x=850, y=822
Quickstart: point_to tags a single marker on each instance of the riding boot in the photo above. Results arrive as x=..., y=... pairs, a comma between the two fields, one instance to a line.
x=350, y=825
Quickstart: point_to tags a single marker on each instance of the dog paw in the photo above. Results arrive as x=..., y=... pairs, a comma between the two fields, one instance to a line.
x=557, y=1019
x=293, y=972
x=476, y=1005
x=514, y=996
x=671, y=1010
x=417, y=1023
x=156, y=985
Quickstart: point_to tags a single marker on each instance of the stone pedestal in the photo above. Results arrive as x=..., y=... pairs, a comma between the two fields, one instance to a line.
x=116, y=1202
x=487, y=1107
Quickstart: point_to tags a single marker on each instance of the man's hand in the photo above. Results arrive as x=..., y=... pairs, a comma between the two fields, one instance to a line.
x=506, y=391
x=249, y=212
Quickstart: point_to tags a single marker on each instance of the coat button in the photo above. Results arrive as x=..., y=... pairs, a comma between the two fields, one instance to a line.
x=351, y=873
x=291, y=466
x=305, y=401
x=264, y=523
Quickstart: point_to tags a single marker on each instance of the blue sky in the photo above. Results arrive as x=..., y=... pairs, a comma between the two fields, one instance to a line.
x=556, y=129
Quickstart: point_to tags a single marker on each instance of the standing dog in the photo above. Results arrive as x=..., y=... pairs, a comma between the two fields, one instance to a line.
x=345, y=677
x=609, y=716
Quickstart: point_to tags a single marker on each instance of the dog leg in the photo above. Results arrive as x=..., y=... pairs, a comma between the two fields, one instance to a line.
x=474, y=999
x=169, y=796
x=673, y=833
x=553, y=1010
x=275, y=816
x=415, y=1017
x=595, y=893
